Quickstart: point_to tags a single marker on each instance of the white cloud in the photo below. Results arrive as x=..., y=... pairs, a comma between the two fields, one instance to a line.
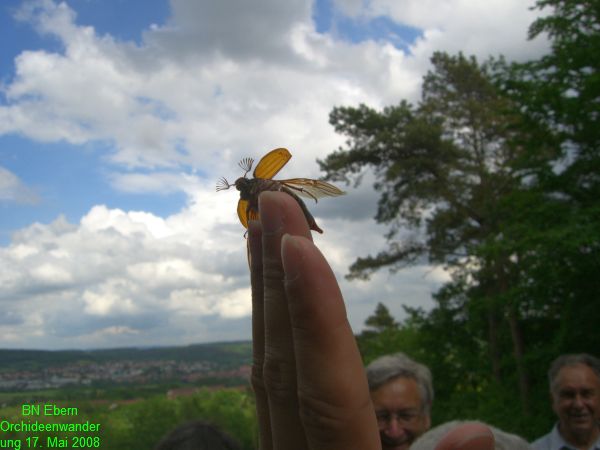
x=158, y=182
x=110, y=298
x=471, y=26
x=49, y=274
x=200, y=86
x=118, y=270
x=240, y=30
x=218, y=82
x=133, y=274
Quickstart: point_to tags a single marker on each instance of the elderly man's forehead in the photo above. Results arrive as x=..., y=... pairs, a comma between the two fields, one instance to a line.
x=398, y=392
x=401, y=383
x=576, y=376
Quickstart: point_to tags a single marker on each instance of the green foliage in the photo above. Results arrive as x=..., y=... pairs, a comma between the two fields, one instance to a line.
x=372, y=345
x=445, y=169
x=566, y=82
x=141, y=423
x=382, y=319
x=442, y=166
x=495, y=174
x=448, y=343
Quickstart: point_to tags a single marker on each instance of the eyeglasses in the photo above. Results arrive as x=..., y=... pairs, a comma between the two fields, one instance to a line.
x=404, y=417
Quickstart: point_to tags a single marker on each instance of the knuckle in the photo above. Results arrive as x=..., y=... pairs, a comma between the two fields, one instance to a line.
x=272, y=271
x=325, y=419
x=279, y=378
x=256, y=378
x=317, y=413
x=258, y=385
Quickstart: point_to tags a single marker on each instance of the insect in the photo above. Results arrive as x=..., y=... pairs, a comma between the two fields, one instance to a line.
x=266, y=168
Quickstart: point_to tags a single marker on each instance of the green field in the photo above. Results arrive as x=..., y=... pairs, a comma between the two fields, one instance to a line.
x=116, y=423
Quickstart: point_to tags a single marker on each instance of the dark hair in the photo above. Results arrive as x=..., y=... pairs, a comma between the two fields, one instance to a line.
x=389, y=367
x=571, y=360
x=197, y=435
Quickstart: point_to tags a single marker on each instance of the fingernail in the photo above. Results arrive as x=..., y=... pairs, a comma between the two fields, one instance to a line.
x=271, y=217
x=291, y=257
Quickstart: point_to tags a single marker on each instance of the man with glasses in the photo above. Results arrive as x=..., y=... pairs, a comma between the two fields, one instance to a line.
x=402, y=394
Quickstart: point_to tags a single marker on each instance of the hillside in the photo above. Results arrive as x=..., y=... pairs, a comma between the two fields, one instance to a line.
x=42, y=369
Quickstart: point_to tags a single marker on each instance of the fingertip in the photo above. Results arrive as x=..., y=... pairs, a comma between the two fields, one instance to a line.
x=280, y=212
x=271, y=208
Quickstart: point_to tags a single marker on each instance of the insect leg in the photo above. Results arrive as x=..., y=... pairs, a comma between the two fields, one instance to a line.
x=299, y=189
x=312, y=224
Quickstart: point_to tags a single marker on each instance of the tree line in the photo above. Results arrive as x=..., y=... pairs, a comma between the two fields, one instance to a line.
x=496, y=174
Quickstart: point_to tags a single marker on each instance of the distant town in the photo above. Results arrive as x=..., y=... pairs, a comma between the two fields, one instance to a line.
x=116, y=372
x=29, y=370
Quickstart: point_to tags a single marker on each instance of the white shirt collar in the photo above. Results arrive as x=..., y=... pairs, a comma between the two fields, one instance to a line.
x=557, y=442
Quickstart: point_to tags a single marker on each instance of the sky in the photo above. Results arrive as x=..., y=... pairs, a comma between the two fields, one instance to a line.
x=117, y=117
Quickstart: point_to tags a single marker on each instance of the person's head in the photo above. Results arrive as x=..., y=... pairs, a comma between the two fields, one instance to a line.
x=196, y=435
x=402, y=394
x=458, y=435
x=575, y=390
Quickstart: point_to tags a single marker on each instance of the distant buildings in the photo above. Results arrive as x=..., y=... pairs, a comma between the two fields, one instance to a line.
x=88, y=374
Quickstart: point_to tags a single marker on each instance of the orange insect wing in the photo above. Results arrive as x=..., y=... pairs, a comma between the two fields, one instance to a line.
x=272, y=163
x=244, y=214
x=241, y=211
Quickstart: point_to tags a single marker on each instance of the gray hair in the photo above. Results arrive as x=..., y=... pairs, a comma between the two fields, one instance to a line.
x=571, y=360
x=389, y=367
x=502, y=439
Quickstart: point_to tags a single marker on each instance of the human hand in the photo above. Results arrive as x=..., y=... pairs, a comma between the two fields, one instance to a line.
x=308, y=378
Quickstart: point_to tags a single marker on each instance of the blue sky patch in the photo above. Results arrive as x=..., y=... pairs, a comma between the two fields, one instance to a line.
x=358, y=29
x=68, y=180
x=16, y=36
x=124, y=20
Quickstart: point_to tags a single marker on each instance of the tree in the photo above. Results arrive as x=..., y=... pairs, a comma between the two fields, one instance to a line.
x=495, y=175
x=384, y=336
x=561, y=251
x=562, y=89
x=445, y=168
x=381, y=320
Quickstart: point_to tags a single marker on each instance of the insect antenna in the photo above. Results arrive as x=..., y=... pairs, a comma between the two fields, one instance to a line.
x=246, y=165
x=223, y=184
